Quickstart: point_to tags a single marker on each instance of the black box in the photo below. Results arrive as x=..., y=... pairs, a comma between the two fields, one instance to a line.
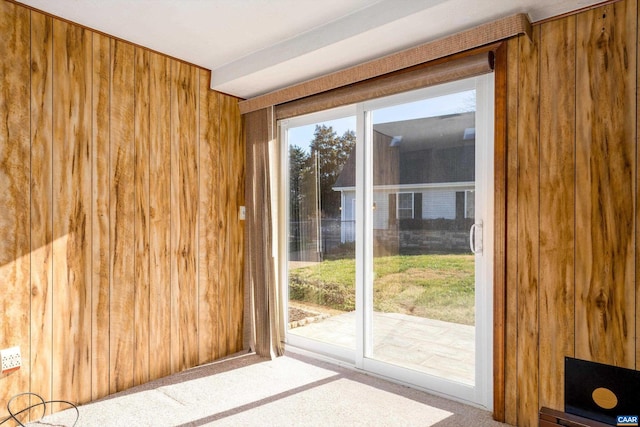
x=582, y=378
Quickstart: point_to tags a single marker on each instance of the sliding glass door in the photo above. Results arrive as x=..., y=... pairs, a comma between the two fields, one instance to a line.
x=321, y=224
x=389, y=236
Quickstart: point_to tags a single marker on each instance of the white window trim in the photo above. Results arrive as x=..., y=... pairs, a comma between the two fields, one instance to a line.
x=405, y=209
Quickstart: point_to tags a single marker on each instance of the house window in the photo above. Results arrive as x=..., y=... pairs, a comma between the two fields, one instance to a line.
x=470, y=204
x=405, y=205
x=465, y=204
x=460, y=204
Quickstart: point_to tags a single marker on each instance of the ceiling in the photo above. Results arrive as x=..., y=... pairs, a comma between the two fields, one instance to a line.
x=256, y=46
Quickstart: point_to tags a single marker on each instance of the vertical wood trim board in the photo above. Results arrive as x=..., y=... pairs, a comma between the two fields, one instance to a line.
x=637, y=313
x=223, y=223
x=159, y=217
x=71, y=212
x=500, y=230
x=528, y=227
x=557, y=201
x=142, y=122
x=114, y=221
x=100, y=221
x=236, y=227
x=184, y=173
x=511, y=328
x=41, y=203
x=14, y=192
x=209, y=258
x=122, y=211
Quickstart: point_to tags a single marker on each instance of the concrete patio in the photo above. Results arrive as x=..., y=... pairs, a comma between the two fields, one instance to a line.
x=442, y=349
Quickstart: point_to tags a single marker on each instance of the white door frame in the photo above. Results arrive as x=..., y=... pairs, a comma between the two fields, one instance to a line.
x=481, y=394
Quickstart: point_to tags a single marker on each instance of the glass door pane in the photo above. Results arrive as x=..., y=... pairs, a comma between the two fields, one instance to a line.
x=422, y=295
x=321, y=234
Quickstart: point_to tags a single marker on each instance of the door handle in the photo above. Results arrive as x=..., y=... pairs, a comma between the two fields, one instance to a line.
x=475, y=243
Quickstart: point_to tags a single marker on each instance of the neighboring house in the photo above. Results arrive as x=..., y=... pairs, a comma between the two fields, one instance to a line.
x=424, y=169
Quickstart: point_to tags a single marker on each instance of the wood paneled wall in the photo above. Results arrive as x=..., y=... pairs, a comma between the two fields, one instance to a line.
x=572, y=269
x=121, y=177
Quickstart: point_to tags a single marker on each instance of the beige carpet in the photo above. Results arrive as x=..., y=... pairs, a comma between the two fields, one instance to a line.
x=289, y=391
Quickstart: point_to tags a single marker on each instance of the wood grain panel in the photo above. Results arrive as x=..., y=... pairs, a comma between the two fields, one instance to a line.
x=184, y=192
x=209, y=261
x=71, y=212
x=14, y=193
x=100, y=238
x=122, y=212
x=605, y=184
x=159, y=217
x=511, y=328
x=224, y=195
x=86, y=175
x=235, y=225
x=41, y=203
x=142, y=122
x=637, y=313
x=557, y=201
x=528, y=229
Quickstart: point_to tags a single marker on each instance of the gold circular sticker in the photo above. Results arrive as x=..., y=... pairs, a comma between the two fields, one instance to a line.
x=604, y=398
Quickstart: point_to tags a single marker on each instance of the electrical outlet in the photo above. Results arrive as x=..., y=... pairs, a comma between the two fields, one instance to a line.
x=11, y=359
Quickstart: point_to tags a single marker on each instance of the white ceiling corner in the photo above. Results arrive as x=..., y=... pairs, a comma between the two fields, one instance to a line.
x=256, y=46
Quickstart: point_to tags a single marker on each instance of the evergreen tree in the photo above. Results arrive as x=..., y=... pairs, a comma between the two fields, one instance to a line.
x=329, y=153
x=298, y=162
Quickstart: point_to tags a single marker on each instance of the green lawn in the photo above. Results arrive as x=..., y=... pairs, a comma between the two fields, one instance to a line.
x=434, y=286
